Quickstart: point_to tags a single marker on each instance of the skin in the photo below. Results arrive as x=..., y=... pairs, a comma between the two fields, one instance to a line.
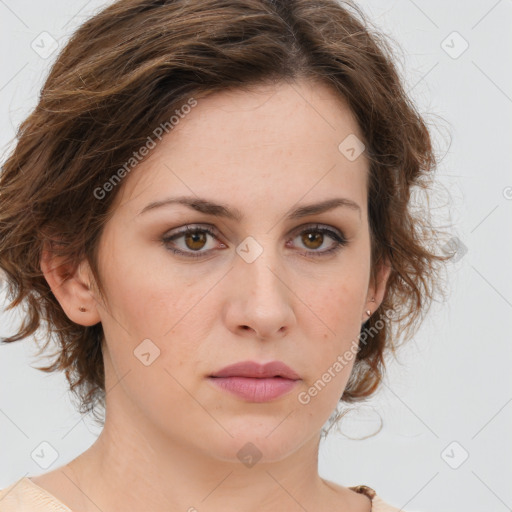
x=171, y=438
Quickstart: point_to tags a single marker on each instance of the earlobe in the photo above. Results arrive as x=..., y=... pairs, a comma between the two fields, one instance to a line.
x=376, y=293
x=70, y=288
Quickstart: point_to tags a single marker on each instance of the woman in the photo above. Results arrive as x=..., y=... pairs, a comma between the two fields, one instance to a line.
x=209, y=207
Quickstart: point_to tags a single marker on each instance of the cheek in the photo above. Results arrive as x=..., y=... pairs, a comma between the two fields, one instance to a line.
x=164, y=319
x=332, y=322
x=334, y=310
x=145, y=297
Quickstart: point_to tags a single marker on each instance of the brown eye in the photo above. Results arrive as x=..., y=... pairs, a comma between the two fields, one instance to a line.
x=195, y=240
x=314, y=237
x=312, y=241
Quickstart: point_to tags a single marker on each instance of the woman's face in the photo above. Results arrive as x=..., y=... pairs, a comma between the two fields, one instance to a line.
x=271, y=285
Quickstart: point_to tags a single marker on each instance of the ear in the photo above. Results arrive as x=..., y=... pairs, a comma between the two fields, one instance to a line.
x=377, y=289
x=71, y=287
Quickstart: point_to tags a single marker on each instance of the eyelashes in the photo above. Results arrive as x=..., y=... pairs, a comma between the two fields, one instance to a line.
x=197, y=234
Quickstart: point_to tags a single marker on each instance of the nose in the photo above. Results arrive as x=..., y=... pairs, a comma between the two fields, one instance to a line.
x=260, y=301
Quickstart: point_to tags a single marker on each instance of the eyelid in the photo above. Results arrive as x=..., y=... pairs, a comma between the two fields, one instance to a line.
x=214, y=231
x=318, y=225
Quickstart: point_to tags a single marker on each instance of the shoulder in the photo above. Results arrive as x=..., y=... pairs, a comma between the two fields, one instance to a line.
x=378, y=504
x=25, y=496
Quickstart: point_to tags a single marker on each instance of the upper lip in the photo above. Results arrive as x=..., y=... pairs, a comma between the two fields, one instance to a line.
x=257, y=370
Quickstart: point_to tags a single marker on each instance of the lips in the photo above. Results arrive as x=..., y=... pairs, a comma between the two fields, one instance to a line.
x=252, y=369
x=254, y=382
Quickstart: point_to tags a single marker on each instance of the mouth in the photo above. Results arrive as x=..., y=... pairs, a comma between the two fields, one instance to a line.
x=255, y=382
x=255, y=389
x=254, y=370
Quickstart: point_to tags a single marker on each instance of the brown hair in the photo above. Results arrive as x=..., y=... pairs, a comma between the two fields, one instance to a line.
x=126, y=70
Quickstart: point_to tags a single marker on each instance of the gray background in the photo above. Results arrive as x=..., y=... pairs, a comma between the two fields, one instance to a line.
x=449, y=396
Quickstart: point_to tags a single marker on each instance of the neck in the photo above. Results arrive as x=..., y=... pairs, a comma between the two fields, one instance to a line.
x=157, y=474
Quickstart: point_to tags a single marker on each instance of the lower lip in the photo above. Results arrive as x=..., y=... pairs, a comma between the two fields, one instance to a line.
x=255, y=390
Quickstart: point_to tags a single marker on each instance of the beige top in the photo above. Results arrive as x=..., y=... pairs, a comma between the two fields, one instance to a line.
x=26, y=496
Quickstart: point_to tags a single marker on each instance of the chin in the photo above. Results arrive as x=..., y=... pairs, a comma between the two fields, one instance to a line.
x=264, y=442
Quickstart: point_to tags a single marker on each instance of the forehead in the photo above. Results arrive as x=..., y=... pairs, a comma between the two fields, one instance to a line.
x=271, y=142
x=277, y=114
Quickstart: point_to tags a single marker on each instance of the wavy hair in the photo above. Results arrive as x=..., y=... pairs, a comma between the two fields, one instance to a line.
x=126, y=70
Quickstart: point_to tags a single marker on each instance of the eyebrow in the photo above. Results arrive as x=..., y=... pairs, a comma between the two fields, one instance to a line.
x=220, y=210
